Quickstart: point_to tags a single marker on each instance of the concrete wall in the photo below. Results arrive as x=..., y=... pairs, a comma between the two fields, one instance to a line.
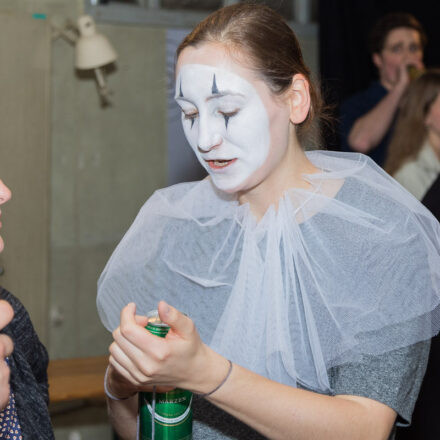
x=24, y=160
x=105, y=163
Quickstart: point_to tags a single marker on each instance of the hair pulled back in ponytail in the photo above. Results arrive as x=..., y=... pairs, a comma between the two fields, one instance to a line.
x=265, y=38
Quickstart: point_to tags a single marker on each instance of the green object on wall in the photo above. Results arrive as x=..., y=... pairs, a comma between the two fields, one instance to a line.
x=39, y=16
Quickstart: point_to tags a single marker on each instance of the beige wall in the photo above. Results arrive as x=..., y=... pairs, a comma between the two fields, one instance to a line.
x=105, y=163
x=24, y=160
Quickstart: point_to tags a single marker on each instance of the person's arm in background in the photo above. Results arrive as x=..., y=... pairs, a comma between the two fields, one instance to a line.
x=6, y=347
x=122, y=413
x=368, y=131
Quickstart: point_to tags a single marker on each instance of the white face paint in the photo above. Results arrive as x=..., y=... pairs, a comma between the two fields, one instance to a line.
x=224, y=121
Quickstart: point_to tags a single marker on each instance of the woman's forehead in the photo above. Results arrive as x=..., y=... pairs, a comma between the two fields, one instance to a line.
x=215, y=55
x=196, y=67
x=210, y=81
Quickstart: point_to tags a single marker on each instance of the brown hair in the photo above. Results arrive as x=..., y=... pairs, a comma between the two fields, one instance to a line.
x=410, y=131
x=389, y=22
x=269, y=43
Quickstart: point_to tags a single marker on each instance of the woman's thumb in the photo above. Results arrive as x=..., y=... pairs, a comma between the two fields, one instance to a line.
x=179, y=322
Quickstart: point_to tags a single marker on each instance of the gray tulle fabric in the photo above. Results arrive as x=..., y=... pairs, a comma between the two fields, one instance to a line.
x=347, y=268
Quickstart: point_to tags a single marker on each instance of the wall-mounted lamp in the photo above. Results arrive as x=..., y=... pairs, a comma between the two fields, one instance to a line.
x=92, y=51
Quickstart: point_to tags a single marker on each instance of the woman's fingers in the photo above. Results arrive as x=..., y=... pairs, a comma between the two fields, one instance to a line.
x=6, y=313
x=4, y=384
x=6, y=346
x=120, y=369
x=137, y=375
x=144, y=358
x=137, y=335
x=141, y=320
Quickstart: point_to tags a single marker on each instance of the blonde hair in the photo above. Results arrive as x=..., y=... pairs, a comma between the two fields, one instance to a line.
x=410, y=131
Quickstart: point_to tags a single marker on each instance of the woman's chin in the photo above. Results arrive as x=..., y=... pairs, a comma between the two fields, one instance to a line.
x=228, y=191
x=227, y=187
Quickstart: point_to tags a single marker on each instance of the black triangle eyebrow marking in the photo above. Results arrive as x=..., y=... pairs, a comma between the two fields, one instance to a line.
x=180, y=90
x=192, y=122
x=214, y=89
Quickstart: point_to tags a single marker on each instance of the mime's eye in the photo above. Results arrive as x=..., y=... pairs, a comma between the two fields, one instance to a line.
x=190, y=116
x=229, y=114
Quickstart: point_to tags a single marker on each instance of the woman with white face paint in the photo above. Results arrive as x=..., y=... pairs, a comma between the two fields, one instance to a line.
x=311, y=279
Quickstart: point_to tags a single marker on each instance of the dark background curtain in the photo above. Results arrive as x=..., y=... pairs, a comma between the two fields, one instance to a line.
x=345, y=63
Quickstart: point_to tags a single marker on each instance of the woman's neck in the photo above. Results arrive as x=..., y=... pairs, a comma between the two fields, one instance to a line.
x=288, y=174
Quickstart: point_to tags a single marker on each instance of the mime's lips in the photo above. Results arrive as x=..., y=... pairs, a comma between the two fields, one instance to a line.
x=219, y=164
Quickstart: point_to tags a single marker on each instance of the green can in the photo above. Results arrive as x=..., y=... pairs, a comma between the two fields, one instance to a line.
x=164, y=416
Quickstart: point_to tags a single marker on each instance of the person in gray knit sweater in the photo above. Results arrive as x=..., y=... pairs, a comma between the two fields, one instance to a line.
x=24, y=395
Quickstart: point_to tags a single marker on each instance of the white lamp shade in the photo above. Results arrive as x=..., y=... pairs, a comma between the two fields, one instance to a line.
x=92, y=50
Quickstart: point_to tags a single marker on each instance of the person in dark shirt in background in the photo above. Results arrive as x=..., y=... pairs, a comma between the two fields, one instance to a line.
x=396, y=41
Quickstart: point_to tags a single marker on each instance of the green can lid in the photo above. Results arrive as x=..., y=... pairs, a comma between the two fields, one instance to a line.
x=154, y=320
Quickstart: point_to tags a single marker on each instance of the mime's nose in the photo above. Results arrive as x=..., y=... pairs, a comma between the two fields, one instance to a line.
x=210, y=144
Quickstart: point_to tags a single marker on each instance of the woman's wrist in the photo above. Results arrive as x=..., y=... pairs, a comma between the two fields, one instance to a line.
x=209, y=393
x=111, y=388
x=214, y=370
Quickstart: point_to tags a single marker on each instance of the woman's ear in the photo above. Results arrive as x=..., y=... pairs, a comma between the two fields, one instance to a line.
x=377, y=60
x=299, y=98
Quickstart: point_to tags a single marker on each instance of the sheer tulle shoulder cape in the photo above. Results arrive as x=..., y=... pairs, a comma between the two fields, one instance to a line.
x=348, y=267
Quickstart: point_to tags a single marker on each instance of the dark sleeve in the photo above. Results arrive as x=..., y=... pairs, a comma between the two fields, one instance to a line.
x=432, y=198
x=28, y=364
x=393, y=378
x=351, y=110
x=27, y=343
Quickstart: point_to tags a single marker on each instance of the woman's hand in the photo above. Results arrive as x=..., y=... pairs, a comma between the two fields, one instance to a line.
x=404, y=78
x=142, y=360
x=6, y=347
